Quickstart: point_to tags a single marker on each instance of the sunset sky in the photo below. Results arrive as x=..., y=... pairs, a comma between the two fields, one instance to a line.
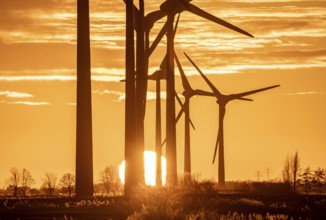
x=38, y=85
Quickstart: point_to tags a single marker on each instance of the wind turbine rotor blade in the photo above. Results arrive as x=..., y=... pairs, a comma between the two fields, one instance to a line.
x=163, y=64
x=197, y=11
x=182, y=110
x=240, y=95
x=192, y=124
x=176, y=25
x=203, y=93
x=157, y=39
x=160, y=36
x=216, y=145
x=245, y=99
x=179, y=114
x=210, y=84
x=185, y=82
x=154, y=16
x=178, y=99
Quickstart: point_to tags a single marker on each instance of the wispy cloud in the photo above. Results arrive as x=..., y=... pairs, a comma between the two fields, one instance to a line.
x=13, y=94
x=28, y=103
x=101, y=78
x=72, y=103
x=305, y=93
x=232, y=69
x=287, y=33
x=152, y=95
x=122, y=96
x=108, y=92
x=37, y=78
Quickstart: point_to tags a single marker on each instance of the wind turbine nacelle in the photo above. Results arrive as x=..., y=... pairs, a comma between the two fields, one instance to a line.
x=173, y=6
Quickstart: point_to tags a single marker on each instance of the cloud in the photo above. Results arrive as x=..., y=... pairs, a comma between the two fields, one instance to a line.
x=122, y=96
x=152, y=96
x=305, y=93
x=18, y=14
x=29, y=103
x=37, y=78
x=99, y=78
x=108, y=92
x=286, y=33
x=20, y=95
x=13, y=94
x=103, y=78
x=72, y=103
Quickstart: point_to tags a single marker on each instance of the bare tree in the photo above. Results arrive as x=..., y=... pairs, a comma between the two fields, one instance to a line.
x=295, y=166
x=319, y=176
x=14, y=180
x=67, y=183
x=109, y=178
x=49, y=183
x=26, y=181
x=286, y=172
x=306, y=178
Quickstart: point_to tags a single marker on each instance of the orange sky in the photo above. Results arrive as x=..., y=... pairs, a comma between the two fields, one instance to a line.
x=37, y=85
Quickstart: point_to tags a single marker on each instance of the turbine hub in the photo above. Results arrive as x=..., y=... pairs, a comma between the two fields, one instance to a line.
x=172, y=7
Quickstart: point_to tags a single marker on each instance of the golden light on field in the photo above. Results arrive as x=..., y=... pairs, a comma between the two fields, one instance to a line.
x=150, y=169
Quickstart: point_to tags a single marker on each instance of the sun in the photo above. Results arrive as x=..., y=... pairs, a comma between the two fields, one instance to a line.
x=150, y=169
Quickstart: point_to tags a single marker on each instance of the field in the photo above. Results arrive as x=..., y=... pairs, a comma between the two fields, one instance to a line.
x=199, y=201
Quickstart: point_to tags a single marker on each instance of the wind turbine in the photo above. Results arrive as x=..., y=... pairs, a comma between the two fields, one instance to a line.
x=188, y=93
x=84, y=143
x=133, y=174
x=222, y=100
x=136, y=91
x=171, y=8
x=158, y=76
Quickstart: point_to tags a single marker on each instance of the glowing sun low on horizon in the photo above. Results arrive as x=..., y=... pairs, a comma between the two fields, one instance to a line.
x=150, y=169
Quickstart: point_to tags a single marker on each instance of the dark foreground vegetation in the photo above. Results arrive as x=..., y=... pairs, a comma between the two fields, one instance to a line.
x=199, y=200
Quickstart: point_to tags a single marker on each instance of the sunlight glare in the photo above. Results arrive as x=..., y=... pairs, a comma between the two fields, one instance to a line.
x=150, y=169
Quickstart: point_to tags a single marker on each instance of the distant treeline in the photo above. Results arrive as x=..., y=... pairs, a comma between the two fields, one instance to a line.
x=294, y=180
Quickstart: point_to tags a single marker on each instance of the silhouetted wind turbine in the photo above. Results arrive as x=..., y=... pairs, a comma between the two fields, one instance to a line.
x=222, y=100
x=159, y=75
x=133, y=174
x=188, y=93
x=171, y=8
x=84, y=142
x=142, y=24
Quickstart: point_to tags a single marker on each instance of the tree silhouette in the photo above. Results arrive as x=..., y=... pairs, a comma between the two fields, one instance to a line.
x=49, y=183
x=26, y=181
x=14, y=180
x=286, y=172
x=84, y=142
x=295, y=166
x=319, y=176
x=109, y=178
x=306, y=178
x=67, y=183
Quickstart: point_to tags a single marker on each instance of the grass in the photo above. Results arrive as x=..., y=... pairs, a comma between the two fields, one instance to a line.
x=199, y=200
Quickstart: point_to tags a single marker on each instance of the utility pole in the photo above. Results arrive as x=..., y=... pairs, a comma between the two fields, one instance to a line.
x=258, y=175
